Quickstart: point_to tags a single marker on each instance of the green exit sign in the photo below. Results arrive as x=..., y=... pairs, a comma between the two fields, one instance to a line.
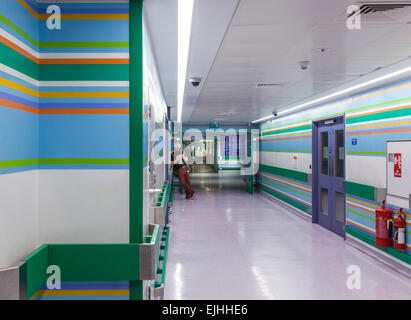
x=213, y=125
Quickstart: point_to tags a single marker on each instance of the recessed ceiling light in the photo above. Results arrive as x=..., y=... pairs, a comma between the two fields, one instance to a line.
x=185, y=15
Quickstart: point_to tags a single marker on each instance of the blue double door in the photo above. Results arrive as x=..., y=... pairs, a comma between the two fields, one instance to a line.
x=331, y=174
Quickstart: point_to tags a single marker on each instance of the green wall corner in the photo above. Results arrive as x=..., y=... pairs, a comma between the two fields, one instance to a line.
x=136, y=134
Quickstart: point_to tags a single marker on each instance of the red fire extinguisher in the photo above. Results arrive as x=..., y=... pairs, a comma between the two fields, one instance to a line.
x=399, y=231
x=382, y=226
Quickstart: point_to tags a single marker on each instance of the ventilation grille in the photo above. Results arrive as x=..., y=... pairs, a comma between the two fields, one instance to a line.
x=381, y=7
x=380, y=12
x=268, y=85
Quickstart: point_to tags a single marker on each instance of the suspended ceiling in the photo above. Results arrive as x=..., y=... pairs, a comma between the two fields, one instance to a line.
x=237, y=45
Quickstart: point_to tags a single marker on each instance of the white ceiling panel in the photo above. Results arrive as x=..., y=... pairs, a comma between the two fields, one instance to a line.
x=265, y=42
x=236, y=45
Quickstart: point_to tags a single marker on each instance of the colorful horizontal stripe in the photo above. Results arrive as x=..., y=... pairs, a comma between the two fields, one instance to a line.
x=86, y=290
x=78, y=14
x=289, y=190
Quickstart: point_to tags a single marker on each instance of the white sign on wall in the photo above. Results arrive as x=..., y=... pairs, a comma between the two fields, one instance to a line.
x=399, y=173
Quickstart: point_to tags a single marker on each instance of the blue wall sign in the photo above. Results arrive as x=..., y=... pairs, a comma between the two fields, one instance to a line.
x=354, y=141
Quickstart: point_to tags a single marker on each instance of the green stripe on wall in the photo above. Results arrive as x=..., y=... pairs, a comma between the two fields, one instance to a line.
x=283, y=198
x=359, y=190
x=29, y=162
x=18, y=62
x=369, y=240
x=348, y=120
x=84, y=72
x=297, y=175
x=381, y=115
x=20, y=31
x=84, y=161
x=360, y=214
x=18, y=163
x=96, y=262
x=63, y=72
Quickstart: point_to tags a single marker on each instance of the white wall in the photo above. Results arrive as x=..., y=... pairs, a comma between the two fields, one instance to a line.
x=286, y=160
x=367, y=170
x=18, y=216
x=84, y=206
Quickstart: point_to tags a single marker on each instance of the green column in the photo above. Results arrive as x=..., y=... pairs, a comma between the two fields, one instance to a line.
x=136, y=133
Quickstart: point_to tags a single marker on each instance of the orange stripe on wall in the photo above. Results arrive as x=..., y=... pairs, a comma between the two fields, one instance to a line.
x=359, y=226
x=84, y=111
x=18, y=106
x=85, y=61
x=358, y=207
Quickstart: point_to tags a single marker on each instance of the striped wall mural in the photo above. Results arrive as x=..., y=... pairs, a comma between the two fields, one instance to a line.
x=372, y=118
x=69, y=86
x=291, y=191
x=19, y=121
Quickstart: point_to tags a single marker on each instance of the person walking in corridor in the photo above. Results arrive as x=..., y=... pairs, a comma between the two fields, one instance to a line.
x=179, y=162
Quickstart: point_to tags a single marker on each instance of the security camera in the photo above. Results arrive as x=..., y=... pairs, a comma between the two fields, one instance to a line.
x=275, y=113
x=195, y=81
x=304, y=65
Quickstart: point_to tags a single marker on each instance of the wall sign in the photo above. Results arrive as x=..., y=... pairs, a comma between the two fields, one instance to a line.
x=397, y=165
x=354, y=141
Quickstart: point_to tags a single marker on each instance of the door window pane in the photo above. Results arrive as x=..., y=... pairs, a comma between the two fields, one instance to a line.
x=339, y=206
x=324, y=201
x=340, y=156
x=324, y=153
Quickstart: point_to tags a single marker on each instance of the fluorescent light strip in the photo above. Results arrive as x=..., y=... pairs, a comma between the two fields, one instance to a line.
x=262, y=119
x=185, y=15
x=338, y=93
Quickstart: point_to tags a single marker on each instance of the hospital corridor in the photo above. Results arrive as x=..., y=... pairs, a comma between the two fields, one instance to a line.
x=205, y=158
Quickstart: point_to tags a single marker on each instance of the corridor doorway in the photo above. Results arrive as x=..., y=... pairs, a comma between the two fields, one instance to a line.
x=328, y=163
x=203, y=151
